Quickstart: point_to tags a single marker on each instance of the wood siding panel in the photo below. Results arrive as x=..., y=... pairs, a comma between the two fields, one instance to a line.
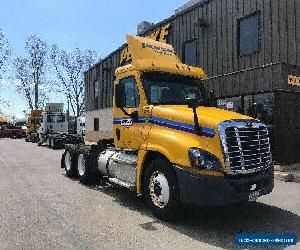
x=214, y=65
x=229, y=35
x=291, y=26
x=283, y=31
x=241, y=13
x=205, y=36
x=219, y=38
x=267, y=31
x=253, y=57
x=275, y=30
x=234, y=36
x=247, y=11
x=297, y=30
x=209, y=40
x=261, y=55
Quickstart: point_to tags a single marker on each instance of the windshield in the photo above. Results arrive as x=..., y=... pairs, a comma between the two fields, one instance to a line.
x=52, y=118
x=165, y=88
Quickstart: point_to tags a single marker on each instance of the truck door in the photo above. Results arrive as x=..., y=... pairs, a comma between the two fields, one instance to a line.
x=127, y=114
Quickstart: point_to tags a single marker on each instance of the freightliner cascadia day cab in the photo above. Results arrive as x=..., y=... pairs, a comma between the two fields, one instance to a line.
x=169, y=143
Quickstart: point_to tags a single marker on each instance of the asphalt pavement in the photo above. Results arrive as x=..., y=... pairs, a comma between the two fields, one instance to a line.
x=41, y=208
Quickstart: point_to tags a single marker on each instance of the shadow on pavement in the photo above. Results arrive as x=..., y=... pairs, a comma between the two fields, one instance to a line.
x=214, y=226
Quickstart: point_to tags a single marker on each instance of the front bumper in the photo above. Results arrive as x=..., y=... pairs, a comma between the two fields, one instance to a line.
x=204, y=190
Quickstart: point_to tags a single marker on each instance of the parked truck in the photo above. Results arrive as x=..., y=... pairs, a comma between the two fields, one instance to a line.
x=80, y=125
x=169, y=143
x=11, y=131
x=33, y=123
x=53, y=131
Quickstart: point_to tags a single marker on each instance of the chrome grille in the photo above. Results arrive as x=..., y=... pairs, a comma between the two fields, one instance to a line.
x=246, y=146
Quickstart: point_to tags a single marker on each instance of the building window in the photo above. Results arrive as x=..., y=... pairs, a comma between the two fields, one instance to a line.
x=96, y=94
x=190, y=52
x=248, y=34
x=96, y=124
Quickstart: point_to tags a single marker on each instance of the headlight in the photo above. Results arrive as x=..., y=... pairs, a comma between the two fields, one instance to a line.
x=201, y=159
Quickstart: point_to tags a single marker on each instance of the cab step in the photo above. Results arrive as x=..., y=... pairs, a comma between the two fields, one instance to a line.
x=122, y=183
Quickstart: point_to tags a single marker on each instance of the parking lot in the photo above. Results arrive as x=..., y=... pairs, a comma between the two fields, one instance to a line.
x=41, y=207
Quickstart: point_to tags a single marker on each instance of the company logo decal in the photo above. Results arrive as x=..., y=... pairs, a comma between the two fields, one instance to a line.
x=159, y=50
x=159, y=35
x=126, y=121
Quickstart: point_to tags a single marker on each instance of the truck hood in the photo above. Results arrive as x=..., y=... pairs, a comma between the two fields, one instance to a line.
x=209, y=117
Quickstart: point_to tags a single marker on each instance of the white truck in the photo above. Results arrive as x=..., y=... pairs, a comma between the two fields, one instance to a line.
x=80, y=125
x=53, y=131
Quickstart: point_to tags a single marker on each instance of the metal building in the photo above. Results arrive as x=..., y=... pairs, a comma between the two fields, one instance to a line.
x=251, y=52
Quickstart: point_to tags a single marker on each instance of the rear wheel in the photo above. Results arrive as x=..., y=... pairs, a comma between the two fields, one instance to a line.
x=53, y=143
x=69, y=161
x=160, y=189
x=85, y=165
x=48, y=142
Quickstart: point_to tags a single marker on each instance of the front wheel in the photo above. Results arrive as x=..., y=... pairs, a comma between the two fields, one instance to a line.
x=160, y=189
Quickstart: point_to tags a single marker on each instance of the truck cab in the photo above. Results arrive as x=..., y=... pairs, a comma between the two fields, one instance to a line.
x=170, y=144
x=34, y=121
x=53, y=122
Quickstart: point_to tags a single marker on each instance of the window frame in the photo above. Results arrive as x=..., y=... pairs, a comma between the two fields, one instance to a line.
x=137, y=88
x=256, y=13
x=196, y=50
x=96, y=122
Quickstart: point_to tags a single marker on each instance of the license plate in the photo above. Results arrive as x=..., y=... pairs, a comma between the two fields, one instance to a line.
x=253, y=196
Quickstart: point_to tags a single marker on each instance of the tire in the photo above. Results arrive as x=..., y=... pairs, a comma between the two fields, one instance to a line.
x=69, y=161
x=160, y=189
x=53, y=143
x=84, y=165
x=48, y=142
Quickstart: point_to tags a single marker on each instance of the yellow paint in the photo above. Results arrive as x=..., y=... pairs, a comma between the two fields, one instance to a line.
x=159, y=34
x=3, y=119
x=294, y=80
x=32, y=119
x=149, y=55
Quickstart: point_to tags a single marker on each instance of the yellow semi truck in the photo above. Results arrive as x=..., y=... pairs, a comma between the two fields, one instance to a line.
x=169, y=143
x=33, y=123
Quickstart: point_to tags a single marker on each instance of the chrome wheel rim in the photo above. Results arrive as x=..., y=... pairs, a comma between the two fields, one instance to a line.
x=81, y=165
x=159, y=189
x=68, y=161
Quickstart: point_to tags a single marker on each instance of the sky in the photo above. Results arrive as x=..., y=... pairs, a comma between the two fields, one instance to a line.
x=100, y=25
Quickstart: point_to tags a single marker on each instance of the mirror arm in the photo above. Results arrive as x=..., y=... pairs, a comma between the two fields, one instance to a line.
x=125, y=112
x=198, y=130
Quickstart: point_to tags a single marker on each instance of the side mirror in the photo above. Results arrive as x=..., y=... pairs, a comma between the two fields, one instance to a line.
x=192, y=103
x=212, y=99
x=134, y=115
x=120, y=96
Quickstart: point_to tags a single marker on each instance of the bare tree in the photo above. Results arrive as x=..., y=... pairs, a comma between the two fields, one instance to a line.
x=5, y=51
x=37, y=50
x=23, y=74
x=25, y=83
x=69, y=68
